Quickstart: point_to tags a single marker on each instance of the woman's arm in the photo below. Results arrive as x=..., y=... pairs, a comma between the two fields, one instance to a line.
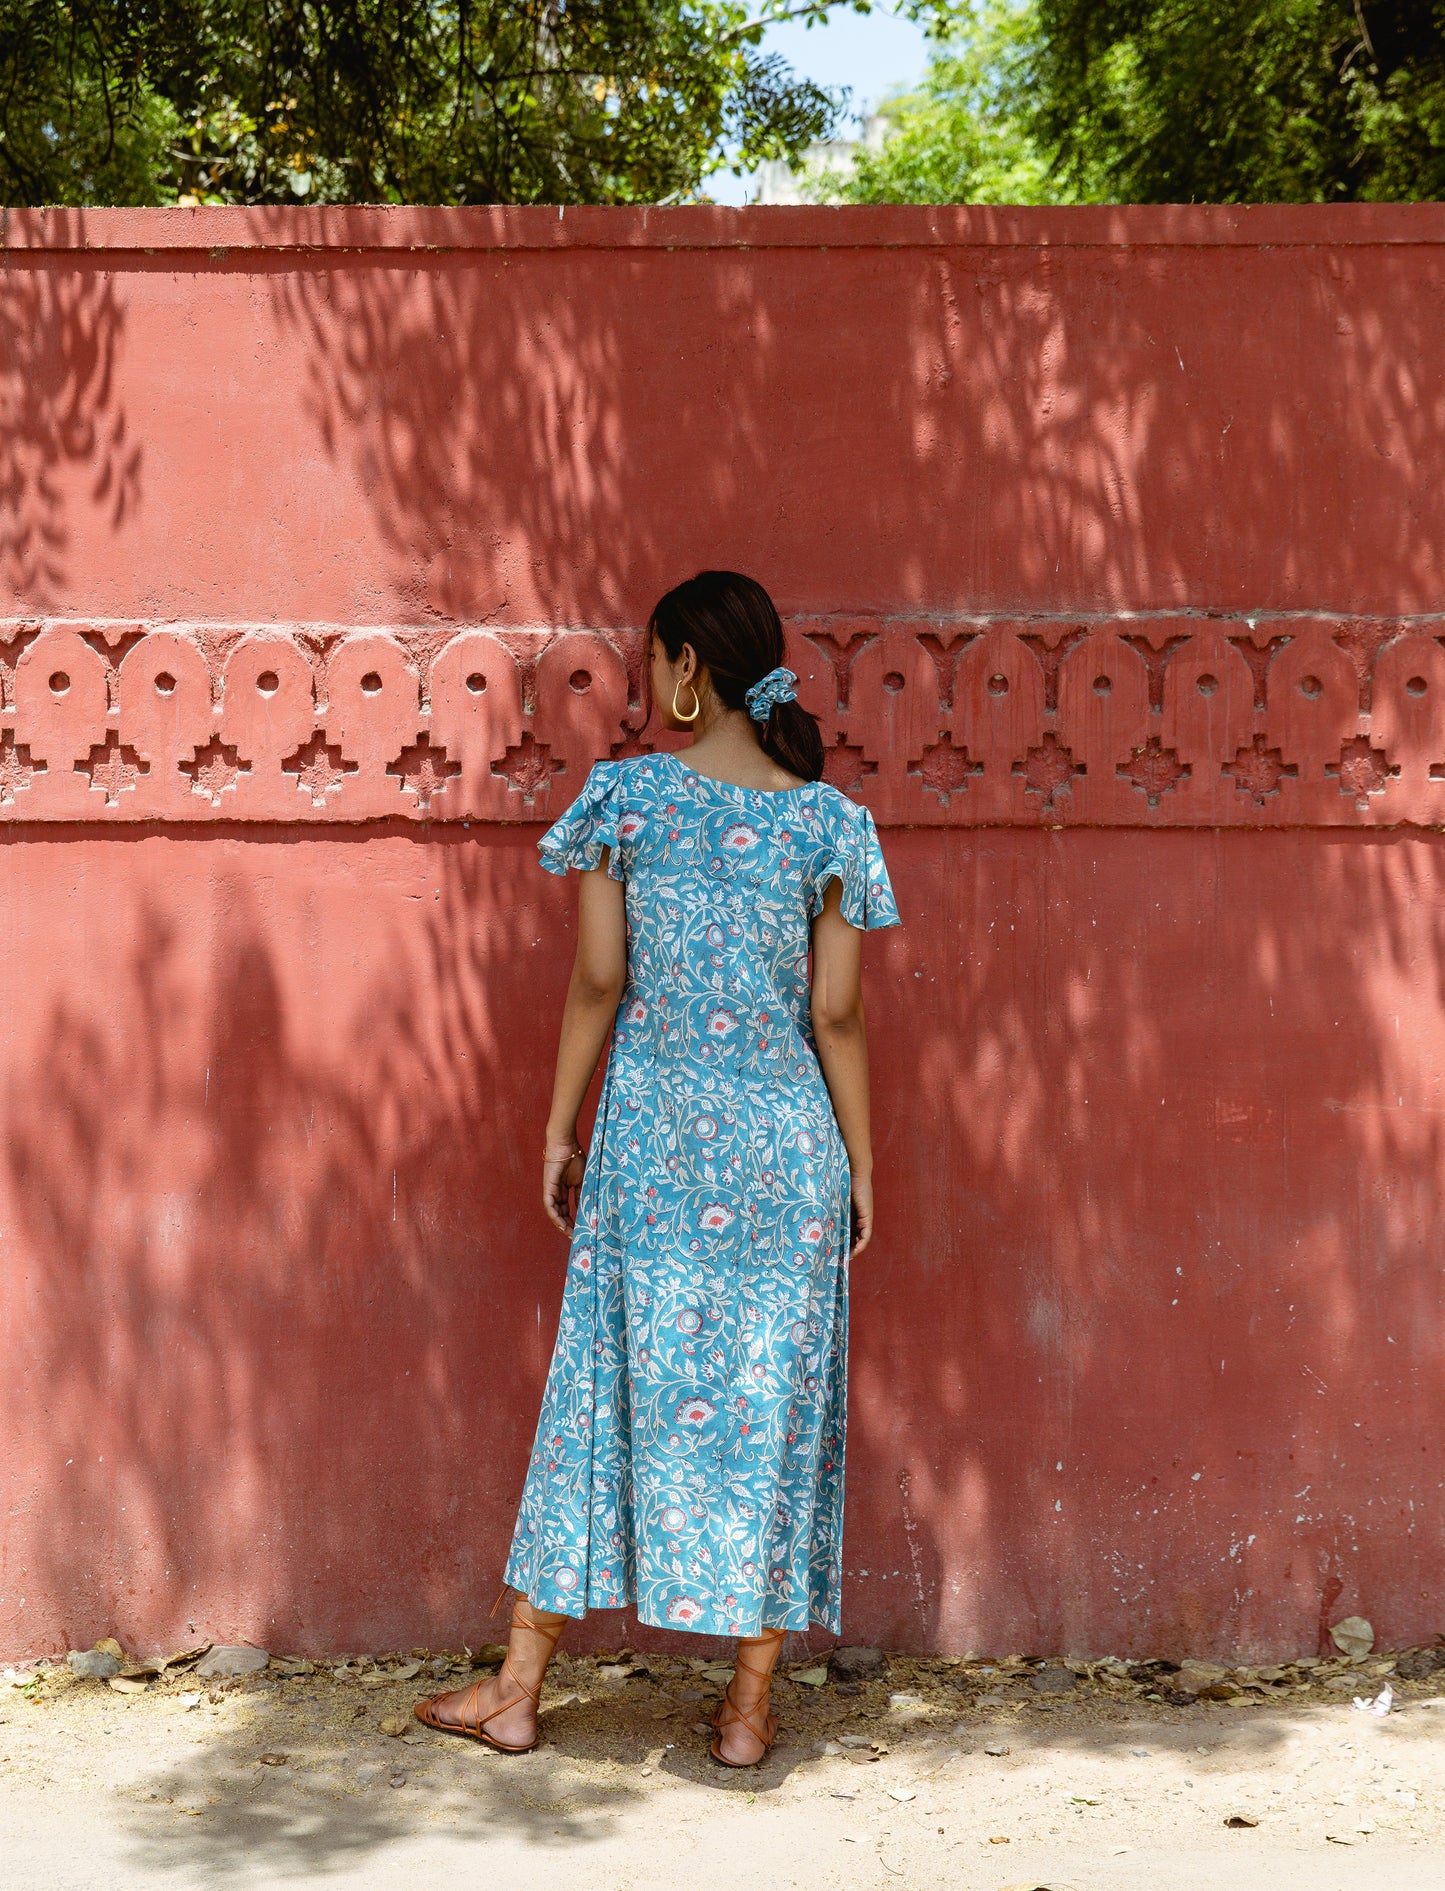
x=843, y=1046
x=599, y=973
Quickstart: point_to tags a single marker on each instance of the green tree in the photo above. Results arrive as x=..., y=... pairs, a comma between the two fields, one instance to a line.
x=966, y=134
x=1169, y=101
x=431, y=101
x=1294, y=101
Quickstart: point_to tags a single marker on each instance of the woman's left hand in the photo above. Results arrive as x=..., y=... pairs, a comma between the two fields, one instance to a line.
x=561, y=1188
x=861, y=1214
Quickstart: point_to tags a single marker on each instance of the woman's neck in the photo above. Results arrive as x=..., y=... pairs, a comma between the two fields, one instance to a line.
x=726, y=748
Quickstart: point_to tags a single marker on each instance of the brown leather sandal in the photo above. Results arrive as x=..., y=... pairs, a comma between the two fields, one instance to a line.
x=727, y=1712
x=475, y=1728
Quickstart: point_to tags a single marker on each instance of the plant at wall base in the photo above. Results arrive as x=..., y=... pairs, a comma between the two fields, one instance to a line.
x=347, y=101
x=1165, y=101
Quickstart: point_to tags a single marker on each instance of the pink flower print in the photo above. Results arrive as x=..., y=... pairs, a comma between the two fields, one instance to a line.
x=806, y=1144
x=684, y=1611
x=720, y=1023
x=715, y=1217
x=739, y=837
x=704, y=1127
x=689, y=1320
x=565, y=1580
x=750, y=1569
x=636, y=1012
x=714, y=935
x=797, y=1332
x=812, y=1231
x=674, y=1518
x=630, y=826
x=695, y=1411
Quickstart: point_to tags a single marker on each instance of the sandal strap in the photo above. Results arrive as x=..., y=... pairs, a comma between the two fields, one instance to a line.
x=550, y=1635
x=745, y=1715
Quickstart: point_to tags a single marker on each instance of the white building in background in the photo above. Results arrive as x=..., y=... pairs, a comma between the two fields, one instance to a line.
x=779, y=183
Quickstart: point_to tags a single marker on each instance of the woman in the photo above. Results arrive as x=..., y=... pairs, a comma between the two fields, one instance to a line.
x=689, y=1456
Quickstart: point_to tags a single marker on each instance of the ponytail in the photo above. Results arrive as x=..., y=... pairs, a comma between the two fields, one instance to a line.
x=792, y=737
x=735, y=629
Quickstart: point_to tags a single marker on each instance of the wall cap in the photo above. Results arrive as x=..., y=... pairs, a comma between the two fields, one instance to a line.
x=707, y=227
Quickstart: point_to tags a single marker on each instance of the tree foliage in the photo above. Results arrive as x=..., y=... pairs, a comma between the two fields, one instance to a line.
x=1160, y=101
x=966, y=134
x=431, y=101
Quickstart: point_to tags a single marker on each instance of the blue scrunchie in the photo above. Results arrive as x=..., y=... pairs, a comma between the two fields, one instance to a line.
x=778, y=686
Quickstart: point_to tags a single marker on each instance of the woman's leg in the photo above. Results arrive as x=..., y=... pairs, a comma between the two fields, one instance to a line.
x=748, y=1691
x=529, y=1649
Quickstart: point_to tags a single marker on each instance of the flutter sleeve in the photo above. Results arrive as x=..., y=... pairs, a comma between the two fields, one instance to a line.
x=589, y=825
x=856, y=859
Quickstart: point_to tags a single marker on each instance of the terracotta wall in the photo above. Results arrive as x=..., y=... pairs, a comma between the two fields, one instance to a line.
x=1111, y=545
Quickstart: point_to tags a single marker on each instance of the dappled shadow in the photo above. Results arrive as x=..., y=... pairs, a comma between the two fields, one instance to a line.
x=66, y=443
x=554, y=436
x=1173, y=1242
x=1147, y=1356
x=346, y=1792
x=267, y=1189
x=333, y=1804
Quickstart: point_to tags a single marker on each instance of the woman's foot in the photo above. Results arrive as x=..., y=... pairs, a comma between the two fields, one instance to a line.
x=744, y=1726
x=502, y=1708
x=508, y=1715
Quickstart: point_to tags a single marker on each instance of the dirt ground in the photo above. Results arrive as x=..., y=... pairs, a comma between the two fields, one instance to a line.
x=939, y=1773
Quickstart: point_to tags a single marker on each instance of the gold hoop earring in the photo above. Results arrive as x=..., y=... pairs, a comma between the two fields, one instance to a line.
x=696, y=702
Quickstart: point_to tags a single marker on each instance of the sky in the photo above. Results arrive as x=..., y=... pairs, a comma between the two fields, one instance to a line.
x=869, y=53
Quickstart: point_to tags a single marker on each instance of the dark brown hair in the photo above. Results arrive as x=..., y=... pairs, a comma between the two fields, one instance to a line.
x=734, y=627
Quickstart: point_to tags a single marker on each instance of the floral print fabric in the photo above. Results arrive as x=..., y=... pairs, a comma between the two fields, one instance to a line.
x=689, y=1454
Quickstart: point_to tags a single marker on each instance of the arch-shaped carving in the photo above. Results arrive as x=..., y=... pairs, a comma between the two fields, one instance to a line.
x=60, y=699
x=165, y=701
x=268, y=708
x=476, y=715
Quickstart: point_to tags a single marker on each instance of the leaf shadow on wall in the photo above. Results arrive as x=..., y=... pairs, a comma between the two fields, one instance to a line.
x=556, y=436
x=65, y=440
x=278, y=1277
x=1146, y=1354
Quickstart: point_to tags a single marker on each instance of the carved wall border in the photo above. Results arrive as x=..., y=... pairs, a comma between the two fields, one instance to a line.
x=1147, y=720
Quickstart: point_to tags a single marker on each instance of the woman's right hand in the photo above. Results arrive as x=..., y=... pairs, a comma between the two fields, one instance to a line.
x=561, y=1187
x=862, y=1214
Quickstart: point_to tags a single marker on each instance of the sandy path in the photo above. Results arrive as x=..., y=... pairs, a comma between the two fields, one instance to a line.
x=1094, y=1792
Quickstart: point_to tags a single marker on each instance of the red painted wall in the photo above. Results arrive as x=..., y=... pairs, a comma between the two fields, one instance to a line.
x=1110, y=544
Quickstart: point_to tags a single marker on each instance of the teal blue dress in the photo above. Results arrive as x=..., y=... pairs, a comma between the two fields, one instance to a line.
x=689, y=1455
